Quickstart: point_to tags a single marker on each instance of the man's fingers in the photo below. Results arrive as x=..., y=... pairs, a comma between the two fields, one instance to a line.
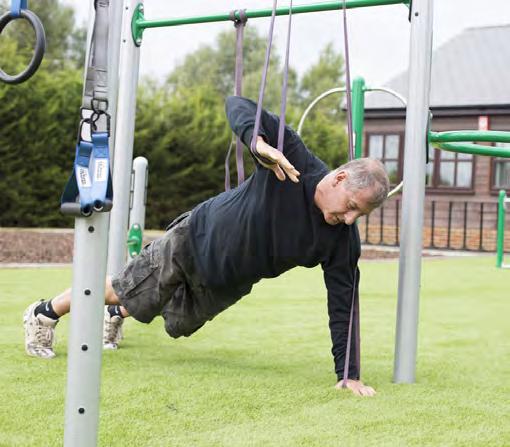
x=278, y=172
x=367, y=391
x=357, y=391
x=292, y=176
x=279, y=159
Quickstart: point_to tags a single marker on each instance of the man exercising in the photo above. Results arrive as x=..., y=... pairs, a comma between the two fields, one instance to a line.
x=212, y=256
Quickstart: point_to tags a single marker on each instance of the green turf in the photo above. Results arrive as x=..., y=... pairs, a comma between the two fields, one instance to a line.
x=261, y=373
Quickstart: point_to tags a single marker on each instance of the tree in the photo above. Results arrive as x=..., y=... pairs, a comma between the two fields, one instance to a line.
x=324, y=130
x=37, y=139
x=213, y=65
x=39, y=120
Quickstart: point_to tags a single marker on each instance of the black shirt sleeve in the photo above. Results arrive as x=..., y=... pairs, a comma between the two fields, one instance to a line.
x=340, y=278
x=241, y=117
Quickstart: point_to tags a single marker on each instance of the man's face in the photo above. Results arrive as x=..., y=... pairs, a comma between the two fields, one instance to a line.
x=341, y=205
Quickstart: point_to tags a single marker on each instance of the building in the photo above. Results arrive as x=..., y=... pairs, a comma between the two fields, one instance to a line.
x=470, y=90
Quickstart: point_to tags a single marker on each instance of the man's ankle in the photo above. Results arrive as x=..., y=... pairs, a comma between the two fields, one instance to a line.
x=46, y=308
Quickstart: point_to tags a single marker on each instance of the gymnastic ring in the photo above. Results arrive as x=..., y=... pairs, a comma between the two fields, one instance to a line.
x=40, y=46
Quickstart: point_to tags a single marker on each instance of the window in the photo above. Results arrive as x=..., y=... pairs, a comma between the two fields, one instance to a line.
x=501, y=170
x=387, y=149
x=448, y=170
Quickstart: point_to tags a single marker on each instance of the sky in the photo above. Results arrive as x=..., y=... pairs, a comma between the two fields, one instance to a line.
x=378, y=36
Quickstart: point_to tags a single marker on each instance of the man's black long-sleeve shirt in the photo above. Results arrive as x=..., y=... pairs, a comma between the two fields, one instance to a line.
x=265, y=227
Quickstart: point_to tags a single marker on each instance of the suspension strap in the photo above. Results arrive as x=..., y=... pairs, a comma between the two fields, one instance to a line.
x=258, y=114
x=283, y=107
x=239, y=23
x=353, y=326
x=89, y=187
x=348, y=84
x=281, y=128
x=354, y=321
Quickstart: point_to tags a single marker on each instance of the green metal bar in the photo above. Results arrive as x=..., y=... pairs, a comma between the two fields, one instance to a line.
x=501, y=229
x=139, y=22
x=358, y=114
x=475, y=149
x=491, y=136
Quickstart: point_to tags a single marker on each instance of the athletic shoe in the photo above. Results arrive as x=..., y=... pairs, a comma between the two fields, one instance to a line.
x=39, y=333
x=112, y=330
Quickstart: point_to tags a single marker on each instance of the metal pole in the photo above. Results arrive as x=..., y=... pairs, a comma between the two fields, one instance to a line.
x=139, y=22
x=413, y=196
x=500, y=249
x=86, y=319
x=128, y=81
x=358, y=114
x=85, y=332
x=138, y=197
x=455, y=136
x=113, y=68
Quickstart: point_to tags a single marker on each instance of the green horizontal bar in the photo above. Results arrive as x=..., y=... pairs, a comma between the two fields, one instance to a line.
x=476, y=149
x=491, y=136
x=142, y=24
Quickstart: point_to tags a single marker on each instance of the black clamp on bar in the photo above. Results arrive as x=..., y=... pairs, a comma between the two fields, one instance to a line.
x=238, y=16
x=18, y=10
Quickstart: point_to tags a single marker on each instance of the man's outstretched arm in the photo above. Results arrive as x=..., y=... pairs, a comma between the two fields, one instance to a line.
x=340, y=279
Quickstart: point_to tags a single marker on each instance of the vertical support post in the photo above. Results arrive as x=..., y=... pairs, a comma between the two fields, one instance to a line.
x=381, y=225
x=85, y=331
x=480, y=246
x=413, y=196
x=358, y=114
x=464, y=237
x=433, y=223
x=128, y=81
x=397, y=221
x=449, y=233
x=500, y=243
x=113, y=69
x=88, y=284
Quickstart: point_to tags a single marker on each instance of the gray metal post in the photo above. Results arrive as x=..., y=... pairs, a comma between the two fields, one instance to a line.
x=139, y=192
x=113, y=68
x=126, y=106
x=413, y=197
x=85, y=332
x=86, y=319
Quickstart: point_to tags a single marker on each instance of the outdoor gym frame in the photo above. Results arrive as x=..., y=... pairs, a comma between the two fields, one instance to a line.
x=89, y=266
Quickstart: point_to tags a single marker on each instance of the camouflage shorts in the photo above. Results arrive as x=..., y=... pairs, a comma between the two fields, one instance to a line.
x=162, y=280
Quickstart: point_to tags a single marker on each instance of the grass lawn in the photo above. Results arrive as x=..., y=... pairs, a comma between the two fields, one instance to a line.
x=261, y=374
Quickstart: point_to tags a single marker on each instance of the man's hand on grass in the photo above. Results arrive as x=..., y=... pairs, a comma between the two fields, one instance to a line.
x=357, y=387
x=280, y=165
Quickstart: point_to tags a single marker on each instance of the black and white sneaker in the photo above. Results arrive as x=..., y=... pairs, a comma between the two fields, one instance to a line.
x=39, y=333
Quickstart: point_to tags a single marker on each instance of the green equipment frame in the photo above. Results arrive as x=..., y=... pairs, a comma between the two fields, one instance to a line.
x=503, y=199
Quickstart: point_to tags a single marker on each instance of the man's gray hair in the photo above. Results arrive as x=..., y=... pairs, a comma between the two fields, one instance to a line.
x=367, y=173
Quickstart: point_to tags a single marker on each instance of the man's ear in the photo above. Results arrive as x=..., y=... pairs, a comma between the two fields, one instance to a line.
x=340, y=176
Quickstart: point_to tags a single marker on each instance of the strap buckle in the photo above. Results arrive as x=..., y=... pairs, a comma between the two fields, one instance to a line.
x=239, y=17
